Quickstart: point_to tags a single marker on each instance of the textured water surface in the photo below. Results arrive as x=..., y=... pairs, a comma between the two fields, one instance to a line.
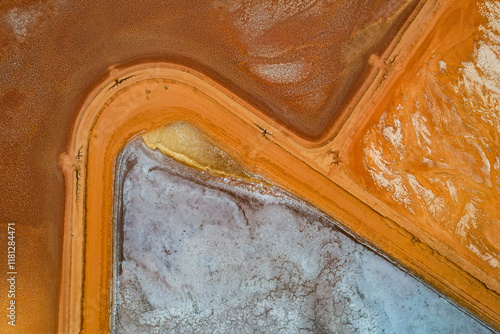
x=202, y=254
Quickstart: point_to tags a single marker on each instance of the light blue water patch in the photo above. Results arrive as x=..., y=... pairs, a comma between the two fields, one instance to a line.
x=203, y=256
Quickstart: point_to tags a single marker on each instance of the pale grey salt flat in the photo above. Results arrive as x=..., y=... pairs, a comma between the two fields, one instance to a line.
x=202, y=255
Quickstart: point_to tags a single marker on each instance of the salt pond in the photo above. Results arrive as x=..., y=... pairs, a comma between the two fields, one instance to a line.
x=203, y=254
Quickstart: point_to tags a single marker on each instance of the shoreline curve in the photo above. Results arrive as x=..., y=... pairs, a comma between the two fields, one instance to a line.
x=158, y=94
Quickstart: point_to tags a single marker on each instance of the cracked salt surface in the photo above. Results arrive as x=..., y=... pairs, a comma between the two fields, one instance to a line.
x=204, y=255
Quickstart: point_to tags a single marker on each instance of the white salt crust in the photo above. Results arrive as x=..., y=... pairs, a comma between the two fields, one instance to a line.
x=204, y=255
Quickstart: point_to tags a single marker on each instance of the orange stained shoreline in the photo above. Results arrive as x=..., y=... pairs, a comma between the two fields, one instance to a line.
x=158, y=94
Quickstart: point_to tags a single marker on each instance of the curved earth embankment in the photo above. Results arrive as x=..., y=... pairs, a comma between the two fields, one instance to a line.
x=157, y=94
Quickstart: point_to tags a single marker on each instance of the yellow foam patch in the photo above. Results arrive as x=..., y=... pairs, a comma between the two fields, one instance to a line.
x=190, y=146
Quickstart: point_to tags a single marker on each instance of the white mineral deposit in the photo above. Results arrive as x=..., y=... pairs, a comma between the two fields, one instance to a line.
x=204, y=254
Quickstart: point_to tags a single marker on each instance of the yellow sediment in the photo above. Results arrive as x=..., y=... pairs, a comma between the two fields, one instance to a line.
x=190, y=146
